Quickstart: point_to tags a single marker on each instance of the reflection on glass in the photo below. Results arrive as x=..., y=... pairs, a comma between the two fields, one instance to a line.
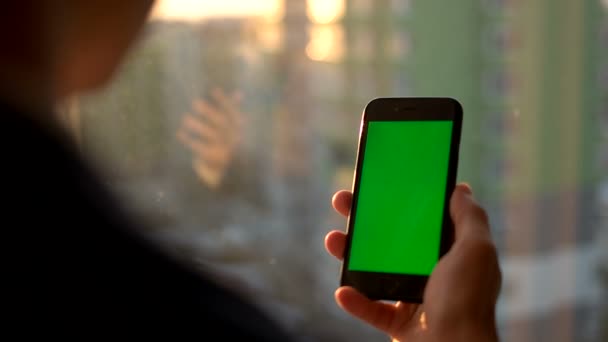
x=326, y=43
x=212, y=134
x=270, y=37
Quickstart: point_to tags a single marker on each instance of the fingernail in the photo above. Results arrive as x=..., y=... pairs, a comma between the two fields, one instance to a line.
x=466, y=188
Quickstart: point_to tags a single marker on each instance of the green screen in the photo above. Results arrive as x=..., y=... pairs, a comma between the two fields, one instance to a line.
x=399, y=213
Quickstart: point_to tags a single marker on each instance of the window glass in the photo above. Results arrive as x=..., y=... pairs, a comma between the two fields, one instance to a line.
x=232, y=123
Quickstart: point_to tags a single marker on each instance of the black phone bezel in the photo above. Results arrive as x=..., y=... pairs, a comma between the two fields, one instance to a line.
x=403, y=287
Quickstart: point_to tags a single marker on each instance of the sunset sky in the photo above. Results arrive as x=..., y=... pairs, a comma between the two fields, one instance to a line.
x=192, y=10
x=325, y=38
x=319, y=11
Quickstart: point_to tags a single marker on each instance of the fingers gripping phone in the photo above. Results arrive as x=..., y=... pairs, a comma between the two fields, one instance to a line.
x=399, y=224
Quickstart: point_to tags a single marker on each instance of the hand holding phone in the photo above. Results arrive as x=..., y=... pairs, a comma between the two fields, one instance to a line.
x=399, y=223
x=460, y=298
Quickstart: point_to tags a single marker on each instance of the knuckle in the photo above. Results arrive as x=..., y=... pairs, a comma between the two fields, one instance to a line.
x=479, y=214
x=486, y=248
x=481, y=249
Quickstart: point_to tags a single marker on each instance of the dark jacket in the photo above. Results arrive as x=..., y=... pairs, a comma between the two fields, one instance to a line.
x=77, y=265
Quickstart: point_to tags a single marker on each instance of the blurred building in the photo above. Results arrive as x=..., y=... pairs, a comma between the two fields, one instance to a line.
x=527, y=76
x=551, y=202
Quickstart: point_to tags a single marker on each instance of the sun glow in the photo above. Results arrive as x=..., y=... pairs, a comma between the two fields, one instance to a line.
x=195, y=10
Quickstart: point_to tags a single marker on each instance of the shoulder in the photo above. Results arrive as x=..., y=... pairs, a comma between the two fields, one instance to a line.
x=78, y=259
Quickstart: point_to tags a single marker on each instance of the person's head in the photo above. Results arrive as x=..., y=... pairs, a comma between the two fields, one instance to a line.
x=69, y=45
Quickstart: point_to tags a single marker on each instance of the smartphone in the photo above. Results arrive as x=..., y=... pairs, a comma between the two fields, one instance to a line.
x=399, y=223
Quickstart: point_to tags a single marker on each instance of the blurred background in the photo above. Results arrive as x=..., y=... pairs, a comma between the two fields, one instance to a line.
x=233, y=122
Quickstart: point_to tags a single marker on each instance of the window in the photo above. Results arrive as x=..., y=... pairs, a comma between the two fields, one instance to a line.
x=233, y=122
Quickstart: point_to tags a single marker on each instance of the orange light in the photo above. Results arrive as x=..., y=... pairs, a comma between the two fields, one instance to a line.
x=194, y=10
x=324, y=11
x=423, y=321
x=326, y=43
